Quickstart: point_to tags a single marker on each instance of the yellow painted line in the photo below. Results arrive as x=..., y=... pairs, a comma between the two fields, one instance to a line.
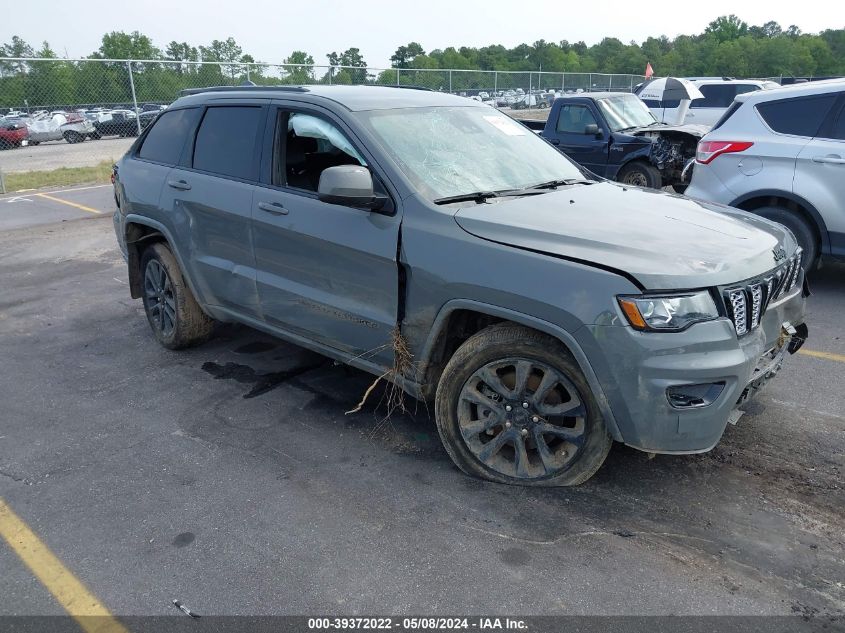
x=70, y=204
x=839, y=358
x=91, y=615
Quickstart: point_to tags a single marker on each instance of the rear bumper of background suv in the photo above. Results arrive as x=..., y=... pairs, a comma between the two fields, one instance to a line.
x=644, y=365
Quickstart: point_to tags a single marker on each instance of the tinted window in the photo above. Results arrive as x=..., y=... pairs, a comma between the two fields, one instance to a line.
x=802, y=116
x=573, y=119
x=715, y=96
x=838, y=131
x=166, y=138
x=654, y=103
x=225, y=142
x=743, y=88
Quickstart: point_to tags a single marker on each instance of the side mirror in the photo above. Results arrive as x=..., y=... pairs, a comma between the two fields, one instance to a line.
x=593, y=129
x=349, y=185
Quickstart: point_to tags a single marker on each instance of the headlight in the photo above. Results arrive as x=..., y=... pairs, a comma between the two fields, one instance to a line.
x=668, y=313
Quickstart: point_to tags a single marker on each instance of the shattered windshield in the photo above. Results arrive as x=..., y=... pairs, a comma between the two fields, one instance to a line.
x=625, y=111
x=450, y=151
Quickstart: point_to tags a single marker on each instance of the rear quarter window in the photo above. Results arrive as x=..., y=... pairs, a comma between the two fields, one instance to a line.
x=166, y=138
x=727, y=115
x=801, y=116
x=226, y=141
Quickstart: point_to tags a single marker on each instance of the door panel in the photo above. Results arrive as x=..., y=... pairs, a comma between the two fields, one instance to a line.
x=213, y=218
x=569, y=137
x=327, y=271
x=820, y=177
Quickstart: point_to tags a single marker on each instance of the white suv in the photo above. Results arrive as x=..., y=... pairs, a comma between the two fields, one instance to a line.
x=781, y=154
x=718, y=96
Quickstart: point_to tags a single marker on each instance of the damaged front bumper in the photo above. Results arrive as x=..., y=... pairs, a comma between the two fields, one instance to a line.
x=676, y=392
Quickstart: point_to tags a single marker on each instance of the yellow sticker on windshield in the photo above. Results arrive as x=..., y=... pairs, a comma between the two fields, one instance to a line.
x=506, y=125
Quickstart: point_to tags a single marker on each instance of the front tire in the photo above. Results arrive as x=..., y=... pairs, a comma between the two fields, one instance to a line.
x=73, y=137
x=176, y=319
x=640, y=174
x=512, y=406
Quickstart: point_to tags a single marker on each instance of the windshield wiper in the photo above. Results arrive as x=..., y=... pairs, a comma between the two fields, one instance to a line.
x=483, y=196
x=554, y=184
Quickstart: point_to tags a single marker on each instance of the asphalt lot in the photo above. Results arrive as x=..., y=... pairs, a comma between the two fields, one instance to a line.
x=229, y=477
x=55, y=154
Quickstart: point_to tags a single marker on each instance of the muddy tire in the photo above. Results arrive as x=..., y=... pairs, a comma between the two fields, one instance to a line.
x=174, y=315
x=640, y=174
x=513, y=406
x=804, y=234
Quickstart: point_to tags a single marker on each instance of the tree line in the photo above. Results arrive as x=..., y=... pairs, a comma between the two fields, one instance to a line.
x=727, y=47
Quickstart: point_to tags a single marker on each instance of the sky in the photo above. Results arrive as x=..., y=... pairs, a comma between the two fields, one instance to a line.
x=269, y=30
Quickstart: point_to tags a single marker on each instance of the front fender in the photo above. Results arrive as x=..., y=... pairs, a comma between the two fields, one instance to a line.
x=622, y=153
x=569, y=339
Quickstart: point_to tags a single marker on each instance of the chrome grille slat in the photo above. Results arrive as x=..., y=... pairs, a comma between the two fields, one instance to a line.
x=756, y=292
x=748, y=303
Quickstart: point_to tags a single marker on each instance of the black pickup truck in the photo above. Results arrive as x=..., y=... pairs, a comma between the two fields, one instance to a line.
x=614, y=135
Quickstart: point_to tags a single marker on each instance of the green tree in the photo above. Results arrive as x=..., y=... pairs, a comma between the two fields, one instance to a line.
x=120, y=45
x=302, y=70
x=727, y=27
x=405, y=55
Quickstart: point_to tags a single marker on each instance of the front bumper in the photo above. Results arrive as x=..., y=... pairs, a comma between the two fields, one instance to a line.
x=639, y=367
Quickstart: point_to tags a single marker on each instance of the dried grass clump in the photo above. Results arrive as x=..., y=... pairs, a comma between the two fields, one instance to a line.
x=402, y=364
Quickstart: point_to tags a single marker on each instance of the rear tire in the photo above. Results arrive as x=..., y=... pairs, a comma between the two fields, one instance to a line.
x=804, y=233
x=640, y=174
x=559, y=439
x=172, y=311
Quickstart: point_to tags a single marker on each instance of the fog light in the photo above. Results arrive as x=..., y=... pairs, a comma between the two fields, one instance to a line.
x=694, y=396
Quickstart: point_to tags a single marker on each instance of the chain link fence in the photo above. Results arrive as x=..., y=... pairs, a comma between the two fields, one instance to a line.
x=67, y=120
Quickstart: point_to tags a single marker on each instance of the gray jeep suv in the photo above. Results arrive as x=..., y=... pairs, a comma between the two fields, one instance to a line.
x=434, y=241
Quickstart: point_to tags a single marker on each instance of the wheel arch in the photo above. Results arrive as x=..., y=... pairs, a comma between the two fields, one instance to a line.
x=138, y=233
x=459, y=319
x=772, y=197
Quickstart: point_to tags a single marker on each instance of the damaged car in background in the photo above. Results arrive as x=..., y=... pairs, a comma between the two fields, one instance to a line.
x=614, y=135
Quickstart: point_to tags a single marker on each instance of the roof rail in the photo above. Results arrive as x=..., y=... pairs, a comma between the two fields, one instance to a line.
x=196, y=91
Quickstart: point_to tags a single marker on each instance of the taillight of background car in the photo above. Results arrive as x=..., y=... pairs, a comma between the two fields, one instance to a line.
x=708, y=150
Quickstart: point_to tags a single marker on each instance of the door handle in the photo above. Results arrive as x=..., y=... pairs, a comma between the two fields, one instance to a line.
x=273, y=208
x=179, y=184
x=835, y=159
x=555, y=141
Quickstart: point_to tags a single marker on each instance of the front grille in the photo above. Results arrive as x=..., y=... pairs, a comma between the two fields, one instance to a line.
x=747, y=303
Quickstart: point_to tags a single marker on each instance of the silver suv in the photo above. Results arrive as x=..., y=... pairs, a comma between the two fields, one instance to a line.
x=781, y=154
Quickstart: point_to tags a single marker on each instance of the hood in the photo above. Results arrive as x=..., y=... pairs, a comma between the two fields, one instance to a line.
x=687, y=128
x=664, y=241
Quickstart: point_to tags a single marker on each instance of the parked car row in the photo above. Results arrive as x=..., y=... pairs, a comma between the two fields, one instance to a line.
x=31, y=128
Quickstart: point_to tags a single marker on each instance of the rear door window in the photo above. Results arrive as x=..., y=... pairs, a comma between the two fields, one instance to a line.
x=715, y=96
x=226, y=141
x=799, y=116
x=166, y=138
